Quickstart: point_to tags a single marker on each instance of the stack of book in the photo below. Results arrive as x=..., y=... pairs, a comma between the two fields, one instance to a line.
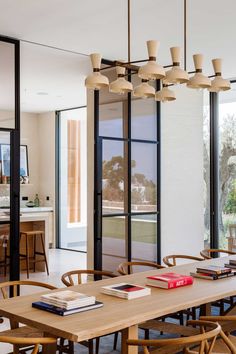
x=66, y=302
x=169, y=280
x=126, y=291
x=213, y=272
x=231, y=264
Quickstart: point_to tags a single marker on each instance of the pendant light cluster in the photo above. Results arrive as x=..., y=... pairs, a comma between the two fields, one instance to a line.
x=153, y=71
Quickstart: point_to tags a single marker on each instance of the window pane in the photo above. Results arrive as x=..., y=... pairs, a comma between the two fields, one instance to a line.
x=144, y=174
x=113, y=177
x=7, y=76
x=114, y=242
x=144, y=119
x=144, y=237
x=4, y=249
x=5, y=171
x=4, y=205
x=227, y=168
x=111, y=120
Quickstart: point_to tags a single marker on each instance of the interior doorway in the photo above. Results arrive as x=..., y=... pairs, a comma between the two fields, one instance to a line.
x=72, y=179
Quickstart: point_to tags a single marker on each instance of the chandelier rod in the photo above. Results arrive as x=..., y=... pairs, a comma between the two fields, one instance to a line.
x=129, y=31
x=185, y=35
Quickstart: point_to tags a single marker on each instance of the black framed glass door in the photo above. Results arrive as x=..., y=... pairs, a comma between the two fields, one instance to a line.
x=9, y=158
x=127, y=180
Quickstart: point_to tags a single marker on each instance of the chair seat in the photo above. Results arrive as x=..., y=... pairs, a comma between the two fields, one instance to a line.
x=24, y=331
x=166, y=350
x=168, y=327
x=219, y=347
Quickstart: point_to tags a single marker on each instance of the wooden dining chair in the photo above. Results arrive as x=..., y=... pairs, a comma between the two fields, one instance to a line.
x=171, y=260
x=75, y=277
x=126, y=268
x=205, y=338
x=16, y=286
x=25, y=342
x=228, y=325
x=27, y=331
x=209, y=253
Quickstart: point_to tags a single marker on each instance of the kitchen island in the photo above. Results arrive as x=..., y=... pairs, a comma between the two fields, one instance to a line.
x=34, y=218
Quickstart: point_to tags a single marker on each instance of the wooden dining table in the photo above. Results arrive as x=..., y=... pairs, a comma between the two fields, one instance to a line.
x=119, y=314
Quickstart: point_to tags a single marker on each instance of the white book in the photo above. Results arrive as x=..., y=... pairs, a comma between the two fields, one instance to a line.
x=126, y=290
x=67, y=299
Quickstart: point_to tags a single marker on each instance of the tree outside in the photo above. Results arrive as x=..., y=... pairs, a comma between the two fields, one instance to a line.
x=143, y=190
x=227, y=174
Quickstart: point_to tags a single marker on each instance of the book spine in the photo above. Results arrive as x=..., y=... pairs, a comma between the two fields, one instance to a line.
x=50, y=309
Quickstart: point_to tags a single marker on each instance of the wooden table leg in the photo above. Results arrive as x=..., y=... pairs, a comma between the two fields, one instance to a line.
x=205, y=310
x=49, y=348
x=232, y=312
x=129, y=333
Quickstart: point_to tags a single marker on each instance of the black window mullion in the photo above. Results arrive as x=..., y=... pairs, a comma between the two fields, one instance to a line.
x=129, y=177
x=97, y=187
x=158, y=117
x=214, y=170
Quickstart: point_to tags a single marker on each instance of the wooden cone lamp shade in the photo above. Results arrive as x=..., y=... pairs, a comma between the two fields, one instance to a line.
x=198, y=81
x=176, y=75
x=120, y=85
x=144, y=90
x=96, y=80
x=165, y=95
x=218, y=84
x=152, y=70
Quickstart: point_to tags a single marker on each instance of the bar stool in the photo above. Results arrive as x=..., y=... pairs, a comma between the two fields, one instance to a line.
x=5, y=256
x=34, y=234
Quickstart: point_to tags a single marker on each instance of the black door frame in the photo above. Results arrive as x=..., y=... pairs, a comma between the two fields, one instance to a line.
x=98, y=217
x=14, y=273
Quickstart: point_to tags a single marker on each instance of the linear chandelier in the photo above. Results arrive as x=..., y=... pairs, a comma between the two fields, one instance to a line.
x=151, y=70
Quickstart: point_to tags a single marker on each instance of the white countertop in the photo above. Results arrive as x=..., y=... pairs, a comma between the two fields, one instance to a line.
x=35, y=209
x=26, y=210
x=27, y=214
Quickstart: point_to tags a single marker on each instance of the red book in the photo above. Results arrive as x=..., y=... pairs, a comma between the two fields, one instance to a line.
x=169, y=280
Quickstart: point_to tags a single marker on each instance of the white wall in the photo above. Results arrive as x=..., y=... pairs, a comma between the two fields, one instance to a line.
x=46, y=157
x=30, y=137
x=46, y=161
x=38, y=133
x=182, y=221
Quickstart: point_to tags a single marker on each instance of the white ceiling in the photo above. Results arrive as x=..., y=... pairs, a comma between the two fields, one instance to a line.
x=51, y=79
x=89, y=26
